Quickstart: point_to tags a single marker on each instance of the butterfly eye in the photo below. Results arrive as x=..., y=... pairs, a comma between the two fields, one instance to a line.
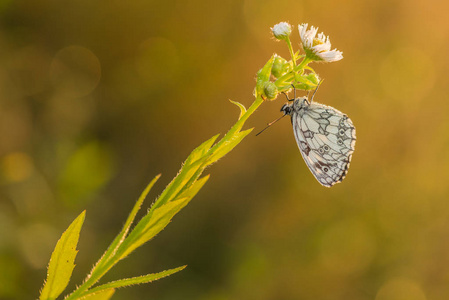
x=321, y=150
x=286, y=109
x=325, y=169
x=340, y=142
x=326, y=148
x=341, y=132
x=283, y=107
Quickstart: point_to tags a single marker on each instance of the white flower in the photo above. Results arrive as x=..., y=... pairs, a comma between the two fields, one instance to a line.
x=317, y=47
x=282, y=30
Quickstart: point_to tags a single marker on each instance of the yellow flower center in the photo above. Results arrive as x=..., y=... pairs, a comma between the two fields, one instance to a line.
x=317, y=42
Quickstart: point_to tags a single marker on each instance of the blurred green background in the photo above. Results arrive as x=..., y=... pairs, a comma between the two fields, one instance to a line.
x=97, y=97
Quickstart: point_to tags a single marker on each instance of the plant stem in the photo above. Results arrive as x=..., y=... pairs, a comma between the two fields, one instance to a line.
x=303, y=63
x=290, y=48
x=290, y=76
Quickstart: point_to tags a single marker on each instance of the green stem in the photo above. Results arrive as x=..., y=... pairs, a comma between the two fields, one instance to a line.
x=303, y=63
x=290, y=48
x=290, y=76
x=82, y=288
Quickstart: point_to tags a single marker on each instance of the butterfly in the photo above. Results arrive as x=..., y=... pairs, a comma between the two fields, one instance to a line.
x=325, y=137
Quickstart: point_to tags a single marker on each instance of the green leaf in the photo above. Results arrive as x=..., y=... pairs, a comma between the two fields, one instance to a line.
x=182, y=179
x=310, y=69
x=199, y=151
x=193, y=189
x=62, y=260
x=228, y=146
x=135, y=280
x=100, y=295
x=188, y=170
x=151, y=224
x=121, y=236
x=242, y=108
x=298, y=55
x=263, y=76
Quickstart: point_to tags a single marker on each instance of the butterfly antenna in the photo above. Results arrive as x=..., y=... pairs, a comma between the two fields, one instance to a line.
x=316, y=89
x=286, y=96
x=271, y=123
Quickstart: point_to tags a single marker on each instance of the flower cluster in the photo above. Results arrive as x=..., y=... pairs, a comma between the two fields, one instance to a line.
x=317, y=47
x=295, y=73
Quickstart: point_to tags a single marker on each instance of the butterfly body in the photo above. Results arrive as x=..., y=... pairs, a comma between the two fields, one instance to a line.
x=325, y=137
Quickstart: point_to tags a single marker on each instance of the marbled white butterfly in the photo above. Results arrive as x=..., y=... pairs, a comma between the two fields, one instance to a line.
x=325, y=137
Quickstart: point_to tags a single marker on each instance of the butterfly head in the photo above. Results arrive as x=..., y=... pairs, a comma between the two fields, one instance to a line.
x=287, y=109
x=301, y=102
x=297, y=105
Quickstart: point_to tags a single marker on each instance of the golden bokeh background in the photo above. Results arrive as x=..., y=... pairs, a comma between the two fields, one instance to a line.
x=97, y=97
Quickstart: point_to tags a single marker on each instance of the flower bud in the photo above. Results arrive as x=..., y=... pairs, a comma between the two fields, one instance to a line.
x=282, y=30
x=270, y=90
x=280, y=66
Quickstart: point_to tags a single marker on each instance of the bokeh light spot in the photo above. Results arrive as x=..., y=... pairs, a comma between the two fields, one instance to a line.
x=87, y=170
x=75, y=71
x=17, y=166
x=400, y=288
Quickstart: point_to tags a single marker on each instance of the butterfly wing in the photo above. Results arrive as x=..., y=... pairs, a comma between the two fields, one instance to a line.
x=326, y=140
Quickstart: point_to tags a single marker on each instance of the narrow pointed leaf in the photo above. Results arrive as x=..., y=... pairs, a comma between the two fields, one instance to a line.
x=194, y=188
x=121, y=236
x=136, y=280
x=309, y=68
x=298, y=55
x=182, y=179
x=188, y=170
x=227, y=147
x=62, y=260
x=104, y=294
x=152, y=217
x=241, y=106
x=199, y=151
x=150, y=225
